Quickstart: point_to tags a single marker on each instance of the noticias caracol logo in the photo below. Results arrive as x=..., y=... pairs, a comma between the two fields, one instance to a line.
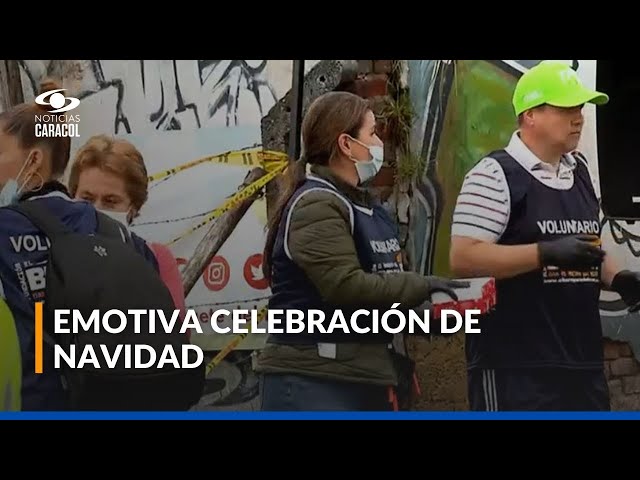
x=57, y=101
x=50, y=125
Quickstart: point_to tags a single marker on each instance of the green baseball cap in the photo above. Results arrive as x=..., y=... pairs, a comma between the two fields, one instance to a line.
x=554, y=83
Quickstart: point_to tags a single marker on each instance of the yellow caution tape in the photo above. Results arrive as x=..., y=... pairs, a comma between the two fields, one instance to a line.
x=229, y=347
x=274, y=163
x=247, y=158
x=235, y=199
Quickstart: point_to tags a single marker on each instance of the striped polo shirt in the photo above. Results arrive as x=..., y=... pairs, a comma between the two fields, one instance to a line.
x=548, y=316
x=483, y=207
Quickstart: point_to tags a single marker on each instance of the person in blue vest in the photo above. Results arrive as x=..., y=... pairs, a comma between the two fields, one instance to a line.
x=30, y=169
x=331, y=245
x=528, y=215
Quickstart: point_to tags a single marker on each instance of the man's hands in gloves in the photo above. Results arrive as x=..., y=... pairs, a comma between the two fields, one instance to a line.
x=627, y=284
x=574, y=251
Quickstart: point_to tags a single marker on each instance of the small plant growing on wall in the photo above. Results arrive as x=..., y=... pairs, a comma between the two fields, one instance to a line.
x=397, y=116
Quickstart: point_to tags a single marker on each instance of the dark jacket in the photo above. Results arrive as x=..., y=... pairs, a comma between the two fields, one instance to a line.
x=320, y=242
x=24, y=252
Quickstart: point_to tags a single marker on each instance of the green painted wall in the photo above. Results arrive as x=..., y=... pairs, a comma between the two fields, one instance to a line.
x=479, y=118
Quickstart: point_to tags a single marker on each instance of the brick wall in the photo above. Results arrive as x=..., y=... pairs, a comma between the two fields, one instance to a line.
x=440, y=363
x=372, y=84
x=623, y=375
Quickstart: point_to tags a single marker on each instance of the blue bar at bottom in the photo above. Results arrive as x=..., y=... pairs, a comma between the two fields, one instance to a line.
x=254, y=415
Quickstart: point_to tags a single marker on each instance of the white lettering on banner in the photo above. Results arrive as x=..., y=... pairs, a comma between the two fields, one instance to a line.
x=22, y=280
x=567, y=227
x=57, y=130
x=58, y=118
x=30, y=243
x=385, y=246
x=36, y=278
x=134, y=355
x=386, y=267
x=293, y=321
x=116, y=321
x=394, y=320
x=139, y=355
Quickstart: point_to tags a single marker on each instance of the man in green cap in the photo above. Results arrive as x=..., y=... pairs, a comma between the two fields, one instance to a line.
x=528, y=215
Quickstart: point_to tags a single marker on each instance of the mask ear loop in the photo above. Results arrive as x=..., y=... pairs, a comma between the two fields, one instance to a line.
x=131, y=216
x=41, y=184
x=21, y=190
x=26, y=181
x=355, y=160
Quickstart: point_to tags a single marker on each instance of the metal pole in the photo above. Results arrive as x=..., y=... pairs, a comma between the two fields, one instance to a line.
x=297, y=90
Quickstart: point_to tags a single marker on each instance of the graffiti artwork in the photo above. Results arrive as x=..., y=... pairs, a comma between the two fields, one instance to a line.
x=177, y=94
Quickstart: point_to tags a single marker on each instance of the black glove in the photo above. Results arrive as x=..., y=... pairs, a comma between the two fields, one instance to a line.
x=575, y=251
x=434, y=326
x=445, y=285
x=627, y=285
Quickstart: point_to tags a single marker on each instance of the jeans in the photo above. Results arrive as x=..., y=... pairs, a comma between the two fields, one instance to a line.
x=288, y=392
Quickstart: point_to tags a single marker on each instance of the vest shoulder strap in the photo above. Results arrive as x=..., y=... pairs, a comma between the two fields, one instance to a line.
x=518, y=179
x=583, y=173
x=299, y=196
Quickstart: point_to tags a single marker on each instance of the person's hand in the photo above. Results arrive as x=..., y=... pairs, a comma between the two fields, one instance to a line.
x=627, y=284
x=445, y=285
x=425, y=306
x=574, y=251
x=426, y=310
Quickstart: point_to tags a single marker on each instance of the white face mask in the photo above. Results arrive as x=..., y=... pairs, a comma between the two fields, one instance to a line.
x=368, y=169
x=11, y=190
x=122, y=217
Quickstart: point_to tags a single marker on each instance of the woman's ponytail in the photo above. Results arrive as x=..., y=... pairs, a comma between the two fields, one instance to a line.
x=294, y=177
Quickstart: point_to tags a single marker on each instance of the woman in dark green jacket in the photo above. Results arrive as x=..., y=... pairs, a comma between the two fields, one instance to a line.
x=332, y=246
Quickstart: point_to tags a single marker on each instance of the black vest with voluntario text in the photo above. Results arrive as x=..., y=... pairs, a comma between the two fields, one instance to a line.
x=376, y=240
x=548, y=317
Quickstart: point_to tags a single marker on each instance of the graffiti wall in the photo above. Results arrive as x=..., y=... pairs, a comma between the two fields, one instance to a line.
x=177, y=112
x=138, y=96
x=463, y=111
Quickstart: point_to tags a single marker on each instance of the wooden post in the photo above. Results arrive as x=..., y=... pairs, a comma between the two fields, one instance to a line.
x=221, y=229
x=5, y=103
x=10, y=84
x=297, y=94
